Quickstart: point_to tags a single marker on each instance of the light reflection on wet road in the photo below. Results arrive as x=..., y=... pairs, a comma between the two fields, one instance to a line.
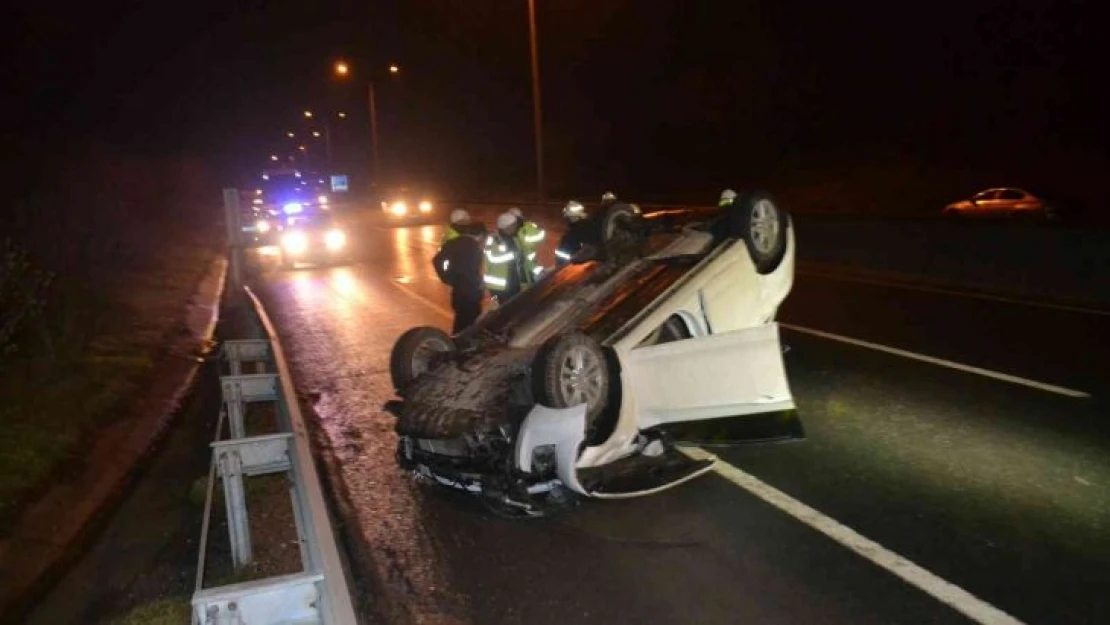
x=341, y=322
x=705, y=552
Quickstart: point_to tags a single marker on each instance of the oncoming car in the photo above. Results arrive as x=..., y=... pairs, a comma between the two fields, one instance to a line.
x=316, y=238
x=586, y=384
x=405, y=205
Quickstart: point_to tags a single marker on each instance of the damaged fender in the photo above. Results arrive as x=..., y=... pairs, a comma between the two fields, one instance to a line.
x=563, y=428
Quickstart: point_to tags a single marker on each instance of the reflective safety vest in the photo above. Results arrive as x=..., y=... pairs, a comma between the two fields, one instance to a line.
x=529, y=238
x=531, y=234
x=448, y=233
x=502, y=260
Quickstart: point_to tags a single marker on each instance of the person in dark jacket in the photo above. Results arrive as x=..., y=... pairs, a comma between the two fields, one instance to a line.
x=459, y=265
x=582, y=231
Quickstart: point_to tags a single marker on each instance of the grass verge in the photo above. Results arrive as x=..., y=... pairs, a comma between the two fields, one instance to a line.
x=104, y=352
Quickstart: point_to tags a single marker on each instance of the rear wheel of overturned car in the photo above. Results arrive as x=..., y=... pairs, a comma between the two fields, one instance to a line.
x=570, y=370
x=756, y=218
x=617, y=229
x=415, y=353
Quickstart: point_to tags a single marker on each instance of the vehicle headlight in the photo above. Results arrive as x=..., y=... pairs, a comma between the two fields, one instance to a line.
x=262, y=225
x=292, y=208
x=335, y=239
x=425, y=206
x=399, y=208
x=294, y=242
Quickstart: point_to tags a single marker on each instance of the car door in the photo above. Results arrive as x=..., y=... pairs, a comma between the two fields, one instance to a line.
x=1009, y=201
x=985, y=203
x=721, y=388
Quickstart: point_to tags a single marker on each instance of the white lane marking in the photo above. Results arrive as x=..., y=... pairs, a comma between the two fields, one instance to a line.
x=427, y=302
x=945, y=291
x=989, y=373
x=946, y=592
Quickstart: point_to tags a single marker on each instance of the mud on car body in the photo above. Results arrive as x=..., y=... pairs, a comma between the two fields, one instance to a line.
x=586, y=384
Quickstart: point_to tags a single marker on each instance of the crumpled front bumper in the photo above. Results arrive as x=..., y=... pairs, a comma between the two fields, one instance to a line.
x=555, y=434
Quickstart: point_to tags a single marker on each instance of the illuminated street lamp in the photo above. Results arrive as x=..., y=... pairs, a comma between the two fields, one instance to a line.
x=308, y=114
x=302, y=148
x=290, y=135
x=315, y=133
x=273, y=157
x=394, y=69
x=341, y=68
x=342, y=115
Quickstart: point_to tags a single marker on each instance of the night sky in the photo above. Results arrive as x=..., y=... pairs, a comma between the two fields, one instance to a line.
x=658, y=96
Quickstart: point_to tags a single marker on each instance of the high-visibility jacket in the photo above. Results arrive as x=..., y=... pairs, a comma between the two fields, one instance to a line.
x=450, y=232
x=531, y=234
x=511, y=262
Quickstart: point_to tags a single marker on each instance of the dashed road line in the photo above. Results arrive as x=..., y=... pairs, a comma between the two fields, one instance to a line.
x=424, y=300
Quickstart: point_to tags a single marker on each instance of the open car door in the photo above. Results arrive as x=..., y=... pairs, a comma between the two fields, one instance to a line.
x=718, y=389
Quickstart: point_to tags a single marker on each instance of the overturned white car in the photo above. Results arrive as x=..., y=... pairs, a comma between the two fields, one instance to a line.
x=585, y=383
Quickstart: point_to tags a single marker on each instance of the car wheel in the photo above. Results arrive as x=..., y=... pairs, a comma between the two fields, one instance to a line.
x=756, y=218
x=617, y=232
x=570, y=370
x=417, y=352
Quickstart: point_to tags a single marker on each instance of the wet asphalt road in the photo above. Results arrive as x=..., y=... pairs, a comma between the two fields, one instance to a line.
x=999, y=488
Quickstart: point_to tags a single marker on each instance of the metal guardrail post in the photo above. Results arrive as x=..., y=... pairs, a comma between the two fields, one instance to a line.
x=239, y=390
x=233, y=399
x=235, y=499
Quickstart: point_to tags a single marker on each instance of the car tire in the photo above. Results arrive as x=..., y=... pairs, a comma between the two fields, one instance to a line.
x=755, y=217
x=572, y=369
x=415, y=353
x=617, y=230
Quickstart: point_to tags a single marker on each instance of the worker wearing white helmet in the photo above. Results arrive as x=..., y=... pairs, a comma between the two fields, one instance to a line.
x=459, y=265
x=727, y=197
x=581, y=231
x=530, y=232
x=608, y=199
x=458, y=222
x=510, y=258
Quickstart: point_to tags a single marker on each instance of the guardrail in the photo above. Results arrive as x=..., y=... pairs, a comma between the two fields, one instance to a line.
x=319, y=592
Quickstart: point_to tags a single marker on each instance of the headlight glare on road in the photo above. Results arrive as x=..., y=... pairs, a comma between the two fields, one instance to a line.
x=399, y=208
x=294, y=242
x=335, y=239
x=425, y=206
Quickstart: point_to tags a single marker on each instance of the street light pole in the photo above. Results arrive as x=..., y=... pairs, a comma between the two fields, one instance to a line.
x=374, y=134
x=537, y=112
